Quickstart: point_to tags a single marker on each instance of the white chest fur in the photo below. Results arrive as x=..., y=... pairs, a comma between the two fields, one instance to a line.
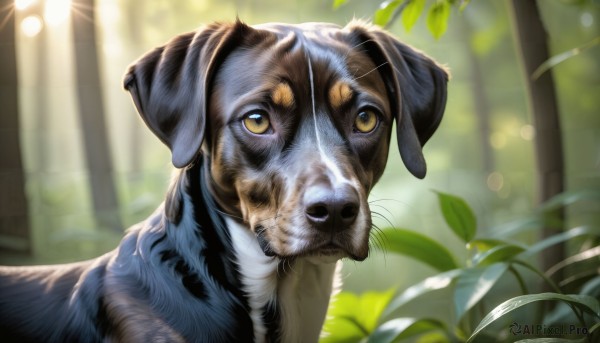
x=300, y=290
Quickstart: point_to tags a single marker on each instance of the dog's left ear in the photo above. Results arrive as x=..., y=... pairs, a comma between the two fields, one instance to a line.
x=170, y=86
x=417, y=87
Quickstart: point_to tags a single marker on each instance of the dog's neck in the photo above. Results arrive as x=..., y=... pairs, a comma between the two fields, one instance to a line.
x=287, y=299
x=298, y=290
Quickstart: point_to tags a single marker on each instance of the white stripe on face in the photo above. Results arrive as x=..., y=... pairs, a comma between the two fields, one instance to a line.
x=338, y=177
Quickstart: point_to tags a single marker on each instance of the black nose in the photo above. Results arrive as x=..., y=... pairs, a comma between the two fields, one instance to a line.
x=331, y=209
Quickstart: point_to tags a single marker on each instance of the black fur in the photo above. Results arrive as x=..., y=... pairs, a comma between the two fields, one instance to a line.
x=143, y=291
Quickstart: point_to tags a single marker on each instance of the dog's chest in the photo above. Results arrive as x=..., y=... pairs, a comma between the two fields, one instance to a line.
x=298, y=292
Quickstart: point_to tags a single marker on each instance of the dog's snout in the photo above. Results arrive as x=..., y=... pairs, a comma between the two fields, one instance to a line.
x=331, y=209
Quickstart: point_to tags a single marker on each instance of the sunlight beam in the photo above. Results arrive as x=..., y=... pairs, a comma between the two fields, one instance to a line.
x=57, y=11
x=22, y=5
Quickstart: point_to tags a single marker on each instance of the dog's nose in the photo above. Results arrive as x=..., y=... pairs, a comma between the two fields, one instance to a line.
x=331, y=209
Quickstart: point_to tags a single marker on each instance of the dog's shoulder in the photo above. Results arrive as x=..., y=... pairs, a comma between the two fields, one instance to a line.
x=51, y=302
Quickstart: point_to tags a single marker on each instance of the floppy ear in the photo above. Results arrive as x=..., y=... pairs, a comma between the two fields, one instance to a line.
x=417, y=87
x=170, y=86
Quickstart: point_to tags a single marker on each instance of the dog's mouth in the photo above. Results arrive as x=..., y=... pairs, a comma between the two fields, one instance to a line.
x=328, y=250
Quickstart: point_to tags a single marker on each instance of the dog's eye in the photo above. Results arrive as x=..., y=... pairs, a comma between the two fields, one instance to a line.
x=256, y=122
x=366, y=121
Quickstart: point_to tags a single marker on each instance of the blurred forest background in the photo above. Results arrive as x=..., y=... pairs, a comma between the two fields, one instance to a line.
x=78, y=166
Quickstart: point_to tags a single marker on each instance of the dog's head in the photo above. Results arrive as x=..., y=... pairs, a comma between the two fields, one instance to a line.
x=294, y=122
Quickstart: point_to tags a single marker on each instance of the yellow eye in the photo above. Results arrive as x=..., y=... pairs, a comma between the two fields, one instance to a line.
x=257, y=123
x=366, y=121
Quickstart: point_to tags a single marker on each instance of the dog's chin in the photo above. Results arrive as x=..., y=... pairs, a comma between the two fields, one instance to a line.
x=319, y=249
x=331, y=251
x=323, y=253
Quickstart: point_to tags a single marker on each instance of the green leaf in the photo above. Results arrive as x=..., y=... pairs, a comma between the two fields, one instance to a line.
x=500, y=253
x=484, y=244
x=437, y=18
x=411, y=13
x=517, y=226
x=582, y=256
x=551, y=340
x=473, y=284
x=558, y=238
x=338, y=3
x=371, y=306
x=557, y=59
x=341, y=330
x=385, y=12
x=569, y=198
x=584, y=302
x=420, y=247
x=562, y=313
x=591, y=288
x=458, y=216
x=341, y=324
x=435, y=337
x=430, y=284
x=403, y=328
x=595, y=328
x=352, y=318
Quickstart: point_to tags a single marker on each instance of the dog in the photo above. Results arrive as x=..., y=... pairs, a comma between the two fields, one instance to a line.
x=278, y=133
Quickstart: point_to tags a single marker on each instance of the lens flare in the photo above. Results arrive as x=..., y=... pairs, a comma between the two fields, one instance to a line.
x=31, y=26
x=57, y=11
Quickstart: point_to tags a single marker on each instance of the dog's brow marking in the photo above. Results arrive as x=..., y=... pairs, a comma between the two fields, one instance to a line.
x=283, y=95
x=339, y=94
x=337, y=174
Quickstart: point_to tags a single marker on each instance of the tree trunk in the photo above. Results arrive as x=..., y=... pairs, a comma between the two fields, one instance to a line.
x=14, y=221
x=92, y=116
x=532, y=42
x=480, y=98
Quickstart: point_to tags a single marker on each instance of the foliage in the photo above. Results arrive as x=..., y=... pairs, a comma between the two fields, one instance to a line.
x=557, y=59
x=489, y=261
x=409, y=11
x=438, y=14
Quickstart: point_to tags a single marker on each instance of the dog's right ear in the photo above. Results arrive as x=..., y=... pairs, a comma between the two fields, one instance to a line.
x=170, y=85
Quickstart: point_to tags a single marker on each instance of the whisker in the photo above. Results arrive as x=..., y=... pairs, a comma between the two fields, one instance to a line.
x=281, y=267
x=374, y=238
x=356, y=46
x=384, y=199
x=379, y=215
x=390, y=199
x=268, y=218
x=385, y=209
x=379, y=240
x=370, y=71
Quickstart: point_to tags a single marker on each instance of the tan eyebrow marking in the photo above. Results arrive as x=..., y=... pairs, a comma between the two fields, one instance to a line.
x=339, y=94
x=283, y=95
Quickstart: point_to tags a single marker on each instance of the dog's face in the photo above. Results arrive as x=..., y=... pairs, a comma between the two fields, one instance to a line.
x=299, y=133
x=295, y=123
